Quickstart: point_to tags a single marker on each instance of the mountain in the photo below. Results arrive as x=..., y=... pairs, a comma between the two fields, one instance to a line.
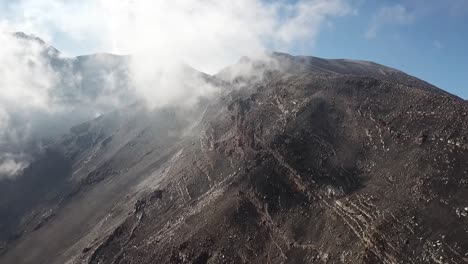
x=299, y=160
x=78, y=88
x=47, y=93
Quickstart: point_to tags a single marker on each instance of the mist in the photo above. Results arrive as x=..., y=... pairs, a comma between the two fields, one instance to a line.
x=45, y=91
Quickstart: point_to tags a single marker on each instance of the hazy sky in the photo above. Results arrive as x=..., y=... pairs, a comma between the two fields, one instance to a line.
x=425, y=38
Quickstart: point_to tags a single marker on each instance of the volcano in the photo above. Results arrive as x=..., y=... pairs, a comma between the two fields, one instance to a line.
x=299, y=160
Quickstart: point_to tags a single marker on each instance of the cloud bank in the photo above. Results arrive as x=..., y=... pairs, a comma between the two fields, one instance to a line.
x=207, y=34
x=43, y=95
x=43, y=92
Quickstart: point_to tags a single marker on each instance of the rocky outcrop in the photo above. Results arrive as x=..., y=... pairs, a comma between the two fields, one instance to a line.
x=315, y=169
x=291, y=167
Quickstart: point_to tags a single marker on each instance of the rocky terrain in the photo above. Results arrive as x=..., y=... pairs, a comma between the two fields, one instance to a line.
x=299, y=160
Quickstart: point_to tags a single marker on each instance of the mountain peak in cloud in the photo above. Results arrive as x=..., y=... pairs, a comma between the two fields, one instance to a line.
x=49, y=49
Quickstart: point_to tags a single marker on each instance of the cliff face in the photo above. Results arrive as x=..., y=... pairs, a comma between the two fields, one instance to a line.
x=306, y=161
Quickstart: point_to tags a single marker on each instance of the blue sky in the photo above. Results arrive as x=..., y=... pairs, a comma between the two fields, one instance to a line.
x=432, y=45
x=425, y=38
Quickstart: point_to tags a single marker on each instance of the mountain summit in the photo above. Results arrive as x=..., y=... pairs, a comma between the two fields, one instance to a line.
x=299, y=160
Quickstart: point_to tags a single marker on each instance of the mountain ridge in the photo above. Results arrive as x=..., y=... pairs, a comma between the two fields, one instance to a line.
x=291, y=163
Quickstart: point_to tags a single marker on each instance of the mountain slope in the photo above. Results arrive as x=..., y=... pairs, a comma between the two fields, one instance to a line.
x=322, y=169
x=305, y=161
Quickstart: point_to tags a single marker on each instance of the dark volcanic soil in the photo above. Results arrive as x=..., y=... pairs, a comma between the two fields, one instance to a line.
x=318, y=162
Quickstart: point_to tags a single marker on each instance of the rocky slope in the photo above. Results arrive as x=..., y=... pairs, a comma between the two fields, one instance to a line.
x=302, y=160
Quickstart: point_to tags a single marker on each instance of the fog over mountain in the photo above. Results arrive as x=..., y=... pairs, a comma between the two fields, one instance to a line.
x=191, y=141
x=275, y=159
x=45, y=92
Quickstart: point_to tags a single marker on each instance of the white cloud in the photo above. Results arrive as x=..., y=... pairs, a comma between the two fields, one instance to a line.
x=26, y=79
x=11, y=165
x=22, y=67
x=80, y=21
x=207, y=34
x=34, y=103
x=160, y=35
x=389, y=16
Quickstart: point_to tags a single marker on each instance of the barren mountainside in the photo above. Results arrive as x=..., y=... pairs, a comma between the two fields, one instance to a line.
x=306, y=160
